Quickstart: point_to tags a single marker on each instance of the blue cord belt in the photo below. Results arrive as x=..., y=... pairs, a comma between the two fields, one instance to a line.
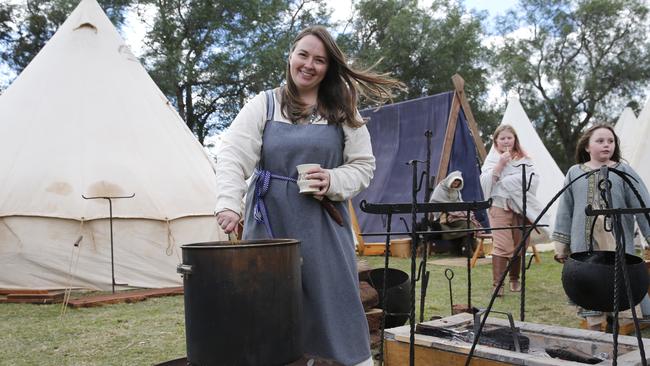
x=262, y=185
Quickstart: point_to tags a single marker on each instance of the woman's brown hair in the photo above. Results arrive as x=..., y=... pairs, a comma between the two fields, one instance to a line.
x=517, y=152
x=582, y=156
x=337, y=93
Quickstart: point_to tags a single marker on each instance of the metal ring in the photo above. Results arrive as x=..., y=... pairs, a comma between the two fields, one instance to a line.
x=449, y=270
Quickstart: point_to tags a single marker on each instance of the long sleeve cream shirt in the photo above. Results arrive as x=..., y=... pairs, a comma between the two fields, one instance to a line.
x=240, y=150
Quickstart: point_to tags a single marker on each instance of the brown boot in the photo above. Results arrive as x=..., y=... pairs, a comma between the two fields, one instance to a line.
x=515, y=285
x=498, y=267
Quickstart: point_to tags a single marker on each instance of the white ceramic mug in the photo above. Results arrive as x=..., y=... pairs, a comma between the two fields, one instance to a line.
x=304, y=184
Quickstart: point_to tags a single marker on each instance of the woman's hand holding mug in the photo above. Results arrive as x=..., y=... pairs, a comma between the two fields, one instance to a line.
x=312, y=179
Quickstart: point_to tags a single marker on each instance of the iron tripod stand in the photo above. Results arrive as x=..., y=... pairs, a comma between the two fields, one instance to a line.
x=520, y=251
x=620, y=265
x=526, y=182
x=414, y=208
x=603, y=171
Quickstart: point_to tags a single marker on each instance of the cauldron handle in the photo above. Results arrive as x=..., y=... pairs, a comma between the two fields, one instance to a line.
x=184, y=269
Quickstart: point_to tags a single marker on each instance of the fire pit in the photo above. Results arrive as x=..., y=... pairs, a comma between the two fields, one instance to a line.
x=544, y=342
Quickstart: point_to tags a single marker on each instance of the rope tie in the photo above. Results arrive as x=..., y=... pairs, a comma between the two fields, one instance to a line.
x=262, y=186
x=170, y=239
x=74, y=261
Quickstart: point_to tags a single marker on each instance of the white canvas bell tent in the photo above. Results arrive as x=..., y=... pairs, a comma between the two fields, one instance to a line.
x=630, y=131
x=551, y=177
x=85, y=118
x=640, y=156
x=627, y=128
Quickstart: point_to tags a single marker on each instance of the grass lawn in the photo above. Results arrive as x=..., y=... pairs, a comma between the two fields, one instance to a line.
x=153, y=331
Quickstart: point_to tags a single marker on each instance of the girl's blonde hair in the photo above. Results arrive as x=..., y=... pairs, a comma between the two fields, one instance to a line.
x=516, y=152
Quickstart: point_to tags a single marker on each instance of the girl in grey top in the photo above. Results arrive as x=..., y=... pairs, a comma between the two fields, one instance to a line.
x=597, y=147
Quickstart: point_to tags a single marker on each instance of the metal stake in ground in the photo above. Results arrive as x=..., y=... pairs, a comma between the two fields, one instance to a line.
x=110, y=220
x=449, y=273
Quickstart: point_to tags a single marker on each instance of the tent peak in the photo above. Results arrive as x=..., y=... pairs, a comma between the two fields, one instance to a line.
x=86, y=25
x=87, y=15
x=513, y=99
x=512, y=95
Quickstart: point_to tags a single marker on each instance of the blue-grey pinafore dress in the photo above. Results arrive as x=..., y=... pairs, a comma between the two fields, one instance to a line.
x=334, y=322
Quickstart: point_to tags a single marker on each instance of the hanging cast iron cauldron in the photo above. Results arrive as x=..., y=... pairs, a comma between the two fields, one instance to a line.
x=243, y=302
x=588, y=280
x=398, y=290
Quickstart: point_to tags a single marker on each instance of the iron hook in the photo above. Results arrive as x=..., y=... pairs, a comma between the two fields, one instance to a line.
x=530, y=181
x=405, y=224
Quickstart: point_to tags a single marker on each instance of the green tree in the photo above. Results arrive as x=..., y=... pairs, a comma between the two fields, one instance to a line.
x=32, y=23
x=574, y=63
x=209, y=57
x=6, y=14
x=423, y=48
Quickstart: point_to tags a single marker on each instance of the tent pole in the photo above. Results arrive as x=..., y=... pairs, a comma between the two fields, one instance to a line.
x=445, y=155
x=110, y=220
x=459, y=85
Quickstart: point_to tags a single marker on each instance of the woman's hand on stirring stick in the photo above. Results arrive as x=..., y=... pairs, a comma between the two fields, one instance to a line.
x=228, y=220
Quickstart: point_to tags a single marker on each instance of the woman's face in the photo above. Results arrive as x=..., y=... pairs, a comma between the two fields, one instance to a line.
x=601, y=145
x=308, y=63
x=505, y=141
x=456, y=183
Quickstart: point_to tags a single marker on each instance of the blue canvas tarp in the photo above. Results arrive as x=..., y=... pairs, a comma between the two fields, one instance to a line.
x=397, y=134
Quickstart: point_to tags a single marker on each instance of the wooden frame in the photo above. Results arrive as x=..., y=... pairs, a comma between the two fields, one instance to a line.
x=458, y=102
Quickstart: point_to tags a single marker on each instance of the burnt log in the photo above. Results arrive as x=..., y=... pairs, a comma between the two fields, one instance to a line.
x=374, y=319
x=369, y=296
x=363, y=270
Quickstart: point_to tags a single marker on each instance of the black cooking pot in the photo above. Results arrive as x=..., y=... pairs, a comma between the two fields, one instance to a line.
x=398, y=294
x=243, y=302
x=588, y=280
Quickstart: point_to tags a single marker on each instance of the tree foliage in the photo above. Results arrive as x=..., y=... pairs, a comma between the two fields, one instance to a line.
x=580, y=62
x=423, y=48
x=27, y=27
x=6, y=14
x=209, y=57
x=573, y=62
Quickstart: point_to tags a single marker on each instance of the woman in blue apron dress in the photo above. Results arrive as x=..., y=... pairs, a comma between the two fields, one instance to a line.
x=313, y=119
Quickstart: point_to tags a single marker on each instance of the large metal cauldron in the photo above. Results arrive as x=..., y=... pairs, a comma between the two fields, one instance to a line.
x=588, y=280
x=243, y=302
x=398, y=290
